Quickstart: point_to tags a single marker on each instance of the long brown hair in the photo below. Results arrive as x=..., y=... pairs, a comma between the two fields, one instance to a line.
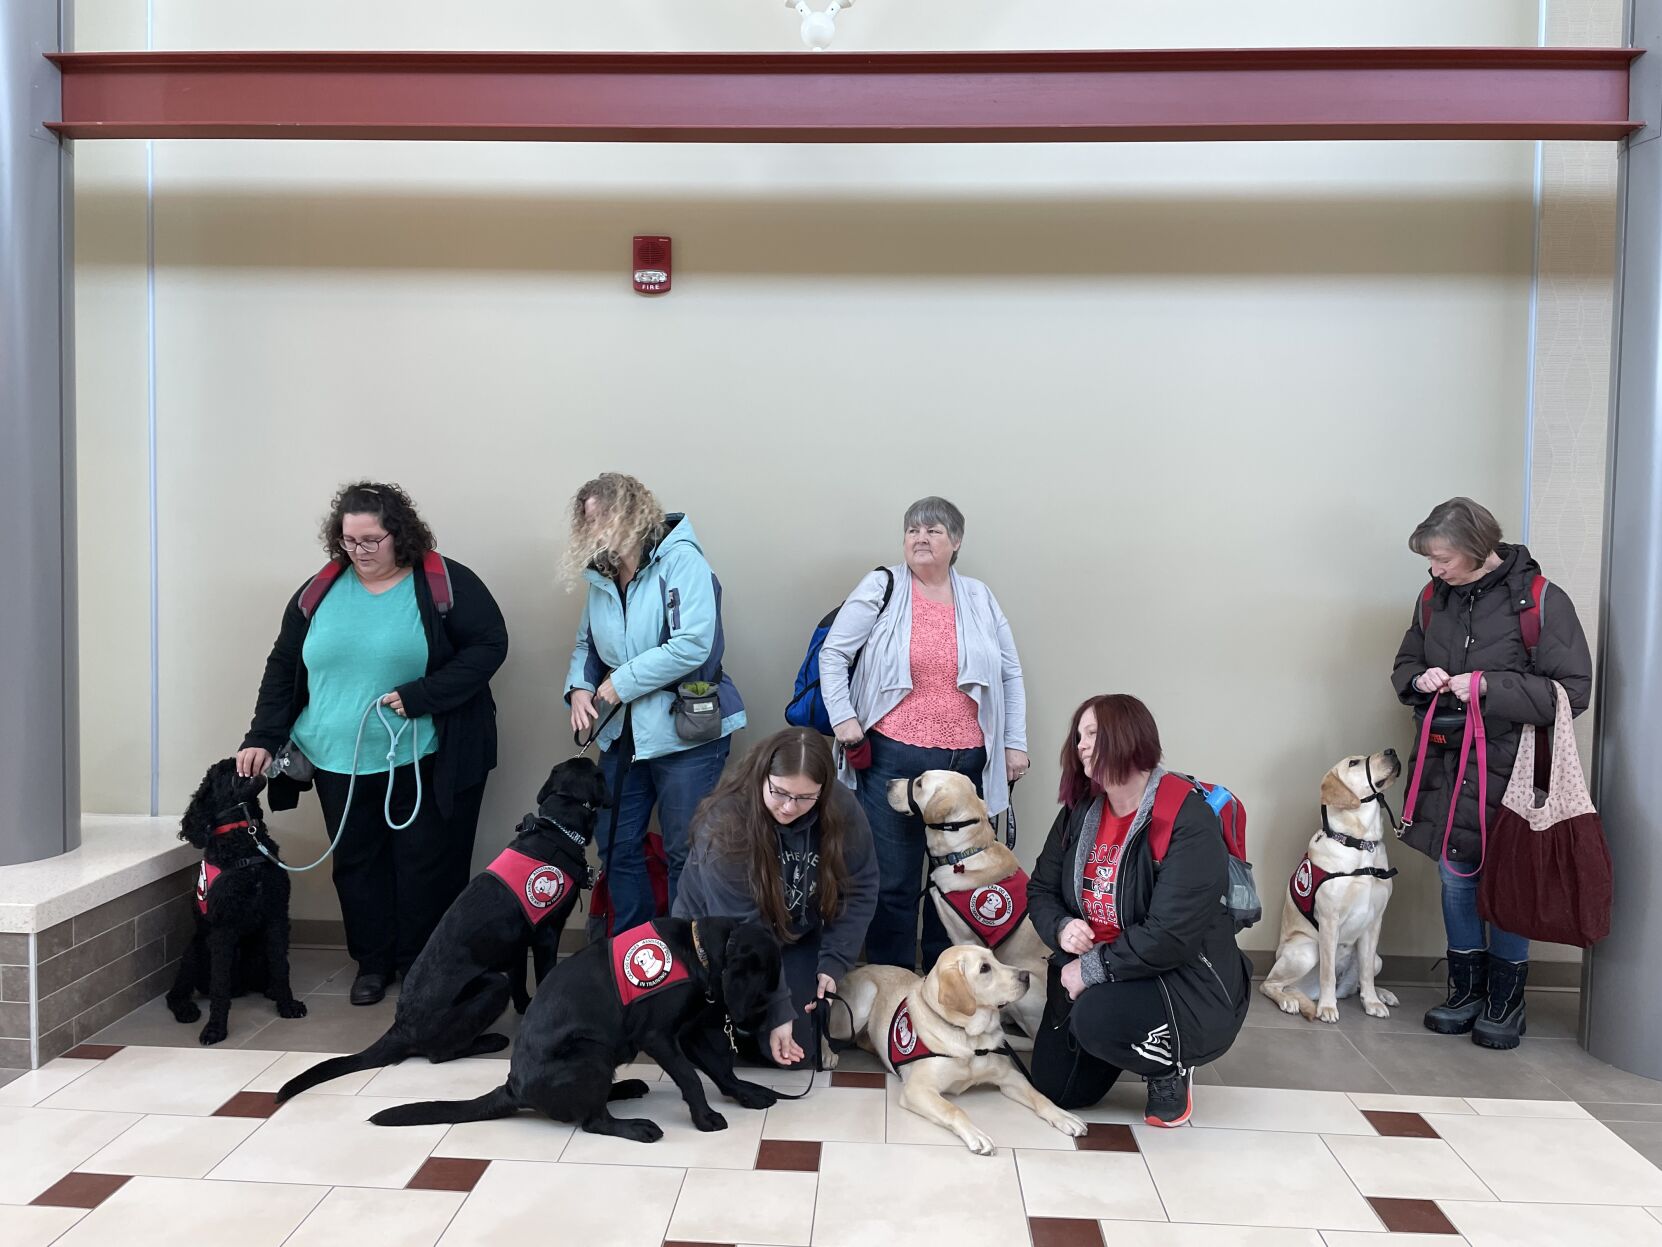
x=739, y=824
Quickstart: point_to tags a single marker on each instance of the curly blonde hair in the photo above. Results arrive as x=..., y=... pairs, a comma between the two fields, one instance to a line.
x=628, y=519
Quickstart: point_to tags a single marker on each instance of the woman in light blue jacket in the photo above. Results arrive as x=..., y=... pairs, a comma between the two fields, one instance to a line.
x=646, y=673
x=938, y=687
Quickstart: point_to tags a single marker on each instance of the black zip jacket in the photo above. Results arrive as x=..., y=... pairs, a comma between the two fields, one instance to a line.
x=1174, y=925
x=464, y=649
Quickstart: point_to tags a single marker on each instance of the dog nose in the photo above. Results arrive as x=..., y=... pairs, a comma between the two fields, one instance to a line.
x=1026, y=977
x=1391, y=754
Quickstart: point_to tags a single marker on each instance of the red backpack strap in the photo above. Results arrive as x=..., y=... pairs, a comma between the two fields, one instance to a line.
x=1169, y=797
x=312, y=593
x=1529, y=619
x=1426, y=595
x=437, y=572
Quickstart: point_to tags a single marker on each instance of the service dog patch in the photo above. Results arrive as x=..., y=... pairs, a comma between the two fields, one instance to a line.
x=205, y=879
x=539, y=888
x=904, y=1044
x=994, y=910
x=643, y=963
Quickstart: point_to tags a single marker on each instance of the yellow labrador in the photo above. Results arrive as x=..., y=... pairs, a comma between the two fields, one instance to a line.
x=942, y=1034
x=976, y=885
x=1336, y=898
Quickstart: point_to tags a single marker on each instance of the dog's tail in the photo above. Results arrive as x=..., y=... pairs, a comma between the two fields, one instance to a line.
x=386, y=1050
x=493, y=1104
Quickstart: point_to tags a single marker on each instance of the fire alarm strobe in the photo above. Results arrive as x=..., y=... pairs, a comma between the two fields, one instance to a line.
x=651, y=263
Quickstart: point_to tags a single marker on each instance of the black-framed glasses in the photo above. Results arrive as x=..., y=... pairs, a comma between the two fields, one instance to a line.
x=789, y=798
x=369, y=546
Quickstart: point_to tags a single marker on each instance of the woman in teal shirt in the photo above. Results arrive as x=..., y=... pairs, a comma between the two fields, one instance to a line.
x=379, y=634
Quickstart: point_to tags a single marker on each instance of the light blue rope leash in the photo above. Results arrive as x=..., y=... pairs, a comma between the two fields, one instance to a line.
x=352, y=782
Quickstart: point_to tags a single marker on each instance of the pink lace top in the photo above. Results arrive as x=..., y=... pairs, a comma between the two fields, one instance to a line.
x=936, y=714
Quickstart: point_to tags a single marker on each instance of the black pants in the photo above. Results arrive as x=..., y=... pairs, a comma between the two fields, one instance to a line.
x=802, y=977
x=394, y=886
x=1083, y=1045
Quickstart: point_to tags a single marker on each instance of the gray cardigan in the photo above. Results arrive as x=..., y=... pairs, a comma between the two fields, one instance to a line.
x=988, y=669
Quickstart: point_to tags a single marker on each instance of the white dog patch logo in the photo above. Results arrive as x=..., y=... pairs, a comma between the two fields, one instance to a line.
x=648, y=963
x=992, y=904
x=1303, y=881
x=545, y=886
x=905, y=1037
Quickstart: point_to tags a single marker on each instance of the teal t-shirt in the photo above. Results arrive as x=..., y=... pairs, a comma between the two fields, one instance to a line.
x=361, y=645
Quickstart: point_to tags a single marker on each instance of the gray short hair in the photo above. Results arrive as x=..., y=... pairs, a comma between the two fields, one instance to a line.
x=1466, y=526
x=933, y=510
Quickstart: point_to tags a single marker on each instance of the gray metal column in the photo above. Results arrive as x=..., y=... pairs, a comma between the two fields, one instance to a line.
x=40, y=788
x=1622, y=996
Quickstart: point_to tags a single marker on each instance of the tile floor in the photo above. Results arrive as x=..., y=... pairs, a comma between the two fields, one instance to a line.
x=1319, y=1137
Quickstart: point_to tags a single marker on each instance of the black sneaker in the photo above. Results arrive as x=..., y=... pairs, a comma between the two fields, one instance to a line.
x=1170, y=1099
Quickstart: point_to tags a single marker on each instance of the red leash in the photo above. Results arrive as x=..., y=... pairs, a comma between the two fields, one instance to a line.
x=1474, y=730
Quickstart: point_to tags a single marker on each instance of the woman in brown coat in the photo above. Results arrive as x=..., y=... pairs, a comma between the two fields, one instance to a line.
x=1474, y=616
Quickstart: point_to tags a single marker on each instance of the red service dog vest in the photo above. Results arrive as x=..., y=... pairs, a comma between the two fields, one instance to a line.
x=642, y=964
x=1307, y=880
x=994, y=910
x=205, y=879
x=538, y=887
x=904, y=1044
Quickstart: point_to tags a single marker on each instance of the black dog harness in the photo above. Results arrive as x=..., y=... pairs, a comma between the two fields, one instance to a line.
x=209, y=874
x=1308, y=878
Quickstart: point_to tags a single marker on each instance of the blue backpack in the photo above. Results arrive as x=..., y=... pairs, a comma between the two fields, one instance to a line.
x=806, y=707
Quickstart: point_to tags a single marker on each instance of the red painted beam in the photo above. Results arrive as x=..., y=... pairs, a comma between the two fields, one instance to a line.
x=929, y=97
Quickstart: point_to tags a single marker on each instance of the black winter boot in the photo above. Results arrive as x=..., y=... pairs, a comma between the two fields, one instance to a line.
x=1468, y=991
x=1502, y=1024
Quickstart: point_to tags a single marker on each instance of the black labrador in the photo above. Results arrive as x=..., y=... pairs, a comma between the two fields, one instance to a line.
x=578, y=1031
x=461, y=981
x=241, y=944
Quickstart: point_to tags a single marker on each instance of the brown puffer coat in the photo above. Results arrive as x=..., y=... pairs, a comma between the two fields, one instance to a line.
x=1475, y=628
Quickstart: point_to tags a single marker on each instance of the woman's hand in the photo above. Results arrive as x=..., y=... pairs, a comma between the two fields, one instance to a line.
x=849, y=733
x=395, y=701
x=1077, y=937
x=583, y=712
x=1432, y=681
x=782, y=1044
x=1461, y=686
x=826, y=984
x=1073, y=979
x=1015, y=764
x=607, y=693
x=250, y=762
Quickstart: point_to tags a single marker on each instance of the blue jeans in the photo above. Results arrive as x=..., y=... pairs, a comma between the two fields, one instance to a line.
x=676, y=782
x=892, y=938
x=1468, y=932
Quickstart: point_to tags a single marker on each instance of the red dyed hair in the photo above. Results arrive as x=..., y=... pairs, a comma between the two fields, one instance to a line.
x=1127, y=742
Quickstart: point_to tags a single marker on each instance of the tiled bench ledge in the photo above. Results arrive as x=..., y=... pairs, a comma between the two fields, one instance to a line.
x=89, y=935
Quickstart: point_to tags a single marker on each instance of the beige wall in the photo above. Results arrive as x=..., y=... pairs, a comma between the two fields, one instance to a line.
x=1192, y=398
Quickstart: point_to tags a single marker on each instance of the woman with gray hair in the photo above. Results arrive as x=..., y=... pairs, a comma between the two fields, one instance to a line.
x=1471, y=618
x=937, y=687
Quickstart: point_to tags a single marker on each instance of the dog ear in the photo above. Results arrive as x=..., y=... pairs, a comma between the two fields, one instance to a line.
x=955, y=1000
x=1336, y=795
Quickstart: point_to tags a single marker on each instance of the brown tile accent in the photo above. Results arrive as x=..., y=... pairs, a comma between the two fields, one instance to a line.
x=249, y=1104
x=102, y=917
x=95, y=1051
x=788, y=1154
x=1412, y=1216
x=81, y=1190
x=447, y=1173
x=1401, y=1125
x=1103, y=1136
x=857, y=1078
x=1064, y=1232
x=59, y=972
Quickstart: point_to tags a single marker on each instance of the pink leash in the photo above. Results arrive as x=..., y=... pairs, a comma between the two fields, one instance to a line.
x=1474, y=729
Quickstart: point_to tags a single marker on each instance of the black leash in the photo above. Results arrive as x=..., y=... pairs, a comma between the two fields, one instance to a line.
x=822, y=1039
x=623, y=765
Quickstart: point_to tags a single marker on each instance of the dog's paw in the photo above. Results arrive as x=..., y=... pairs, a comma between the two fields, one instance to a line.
x=1376, y=1008
x=1066, y=1122
x=1328, y=1013
x=627, y=1089
x=290, y=1009
x=212, y=1033
x=186, y=1011
x=977, y=1142
x=709, y=1120
x=1387, y=997
x=1287, y=1004
x=639, y=1129
x=754, y=1095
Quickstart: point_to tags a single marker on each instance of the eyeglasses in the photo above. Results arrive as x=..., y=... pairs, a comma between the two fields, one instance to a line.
x=352, y=545
x=789, y=798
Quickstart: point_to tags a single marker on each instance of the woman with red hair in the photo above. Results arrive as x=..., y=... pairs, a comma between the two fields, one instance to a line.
x=1145, y=976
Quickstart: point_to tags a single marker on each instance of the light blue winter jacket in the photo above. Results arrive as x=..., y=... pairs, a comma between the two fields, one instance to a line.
x=665, y=630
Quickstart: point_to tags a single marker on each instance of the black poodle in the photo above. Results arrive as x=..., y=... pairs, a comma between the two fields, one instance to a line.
x=460, y=982
x=241, y=943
